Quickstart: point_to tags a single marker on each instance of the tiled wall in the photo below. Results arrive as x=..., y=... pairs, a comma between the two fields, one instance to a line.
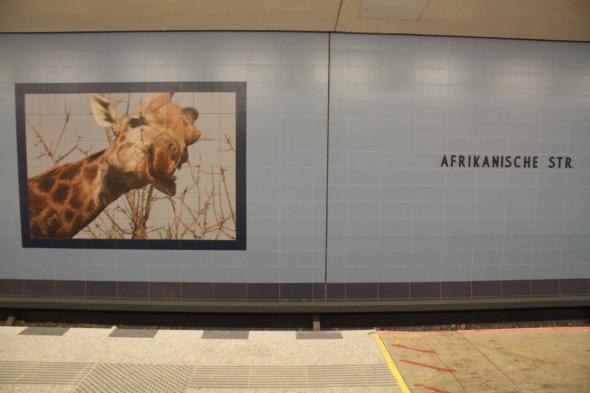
x=397, y=104
x=286, y=77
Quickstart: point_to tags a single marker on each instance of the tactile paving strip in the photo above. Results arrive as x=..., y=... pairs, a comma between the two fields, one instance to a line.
x=43, y=373
x=130, y=378
x=243, y=377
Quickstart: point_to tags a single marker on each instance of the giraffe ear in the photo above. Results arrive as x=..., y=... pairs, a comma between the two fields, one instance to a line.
x=104, y=111
x=155, y=101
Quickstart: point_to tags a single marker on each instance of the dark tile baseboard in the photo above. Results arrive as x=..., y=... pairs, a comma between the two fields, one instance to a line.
x=292, y=292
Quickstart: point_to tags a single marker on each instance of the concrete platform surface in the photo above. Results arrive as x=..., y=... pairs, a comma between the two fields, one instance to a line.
x=496, y=360
x=353, y=361
x=96, y=360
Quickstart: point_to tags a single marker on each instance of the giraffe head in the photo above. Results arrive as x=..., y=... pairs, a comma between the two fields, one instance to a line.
x=151, y=143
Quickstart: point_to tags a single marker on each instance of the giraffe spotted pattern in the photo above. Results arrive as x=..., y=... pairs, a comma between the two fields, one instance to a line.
x=150, y=145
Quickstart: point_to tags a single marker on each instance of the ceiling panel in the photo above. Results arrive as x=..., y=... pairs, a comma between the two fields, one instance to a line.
x=538, y=19
x=393, y=9
x=141, y=15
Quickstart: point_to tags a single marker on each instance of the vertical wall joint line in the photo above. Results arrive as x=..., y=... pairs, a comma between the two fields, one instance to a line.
x=327, y=167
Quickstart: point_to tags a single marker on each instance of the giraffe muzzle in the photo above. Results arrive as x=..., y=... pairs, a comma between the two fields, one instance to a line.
x=167, y=185
x=163, y=160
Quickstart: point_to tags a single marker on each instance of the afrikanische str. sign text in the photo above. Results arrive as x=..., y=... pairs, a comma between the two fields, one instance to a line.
x=505, y=161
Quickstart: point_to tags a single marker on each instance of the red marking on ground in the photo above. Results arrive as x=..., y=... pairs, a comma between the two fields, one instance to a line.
x=508, y=330
x=414, y=349
x=432, y=389
x=433, y=333
x=446, y=370
x=529, y=330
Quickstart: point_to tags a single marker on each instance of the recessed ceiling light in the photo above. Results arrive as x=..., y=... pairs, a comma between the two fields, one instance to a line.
x=393, y=9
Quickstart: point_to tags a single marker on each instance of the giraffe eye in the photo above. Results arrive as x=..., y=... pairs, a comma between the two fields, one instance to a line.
x=136, y=122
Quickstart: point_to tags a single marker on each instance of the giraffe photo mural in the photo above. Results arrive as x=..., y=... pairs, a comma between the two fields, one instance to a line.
x=132, y=165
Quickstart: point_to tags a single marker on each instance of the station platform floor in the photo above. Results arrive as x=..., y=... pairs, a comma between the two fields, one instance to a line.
x=58, y=359
x=553, y=359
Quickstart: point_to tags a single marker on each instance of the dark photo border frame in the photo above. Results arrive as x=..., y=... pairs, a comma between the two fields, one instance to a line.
x=21, y=89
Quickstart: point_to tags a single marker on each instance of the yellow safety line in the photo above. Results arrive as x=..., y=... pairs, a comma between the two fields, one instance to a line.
x=392, y=367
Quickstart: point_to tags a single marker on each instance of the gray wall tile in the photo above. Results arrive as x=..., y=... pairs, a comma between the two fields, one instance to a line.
x=286, y=130
x=436, y=95
x=398, y=104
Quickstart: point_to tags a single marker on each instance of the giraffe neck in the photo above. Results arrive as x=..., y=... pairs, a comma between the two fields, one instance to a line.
x=64, y=200
x=106, y=188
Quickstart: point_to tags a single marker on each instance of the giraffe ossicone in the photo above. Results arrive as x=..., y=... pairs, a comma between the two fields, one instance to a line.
x=150, y=145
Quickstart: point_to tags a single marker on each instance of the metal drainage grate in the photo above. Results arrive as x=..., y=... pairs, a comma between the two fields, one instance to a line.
x=242, y=377
x=305, y=335
x=225, y=335
x=43, y=373
x=131, y=378
x=43, y=331
x=134, y=333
